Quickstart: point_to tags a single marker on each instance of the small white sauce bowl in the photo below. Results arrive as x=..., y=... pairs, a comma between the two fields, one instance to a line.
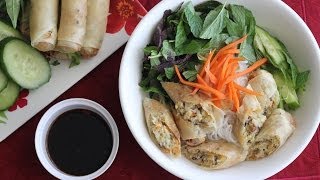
x=51, y=115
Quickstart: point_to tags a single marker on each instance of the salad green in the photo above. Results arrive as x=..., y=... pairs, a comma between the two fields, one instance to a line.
x=185, y=36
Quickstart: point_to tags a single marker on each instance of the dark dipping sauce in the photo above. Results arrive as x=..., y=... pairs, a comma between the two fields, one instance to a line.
x=79, y=142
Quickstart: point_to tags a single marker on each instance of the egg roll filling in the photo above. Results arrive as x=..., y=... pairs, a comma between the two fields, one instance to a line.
x=206, y=159
x=162, y=133
x=263, y=148
x=194, y=113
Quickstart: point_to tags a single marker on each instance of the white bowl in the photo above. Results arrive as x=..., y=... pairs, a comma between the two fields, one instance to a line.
x=46, y=122
x=280, y=20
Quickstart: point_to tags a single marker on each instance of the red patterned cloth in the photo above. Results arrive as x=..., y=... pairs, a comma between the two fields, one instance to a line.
x=18, y=159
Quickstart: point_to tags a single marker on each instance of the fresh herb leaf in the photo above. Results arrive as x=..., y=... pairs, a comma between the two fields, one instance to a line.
x=214, y=43
x=231, y=39
x=154, y=58
x=147, y=50
x=207, y=6
x=302, y=79
x=181, y=36
x=191, y=47
x=294, y=69
x=152, y=90
x=13, y=9
x=214, y=23
x=161, y=77
x=193, y=19
x=190, y=75
x=247, y=50
x=75, y=59
x=238, y=14
x=169, y=72
x=167, y=50
x=234, y=29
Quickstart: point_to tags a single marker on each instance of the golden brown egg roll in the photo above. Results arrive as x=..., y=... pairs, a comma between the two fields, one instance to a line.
x=162, y=129
x=274, y=133
x=43, y=24
x=72, y=27
x=250, y=120
x=264, y=83
x=96, y=27
x=214, y=154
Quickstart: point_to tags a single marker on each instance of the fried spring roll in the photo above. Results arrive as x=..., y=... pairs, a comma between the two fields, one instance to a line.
x=72, y=27
x=96, y=27
x=214, y=154
x=195, y=115
x=264, y=83
x=250, y=120
x=274, y=133
x=43, y=24
x=161, y=127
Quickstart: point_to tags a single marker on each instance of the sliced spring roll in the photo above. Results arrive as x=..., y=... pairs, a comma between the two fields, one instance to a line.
x=214, y=154
x=264, y=83
x=195, y=115
x=196, y=109
x=43, y=24
x=190, y=132
x=274, y=133
x=96, y=27
x=72, y=27
x=161, y=127
x=250, y=120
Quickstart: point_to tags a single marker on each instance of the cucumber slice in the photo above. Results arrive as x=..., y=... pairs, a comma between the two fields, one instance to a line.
x=9, y=95
x=24, y=64
x=8, y=31
x=3, y=80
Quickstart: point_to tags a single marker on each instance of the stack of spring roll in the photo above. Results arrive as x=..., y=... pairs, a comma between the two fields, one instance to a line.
x=80, y=28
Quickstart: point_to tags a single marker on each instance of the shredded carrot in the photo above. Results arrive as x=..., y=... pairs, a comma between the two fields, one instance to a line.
x=254, y=66
x=230, y=51
x=235, y=43
x=207, y=62
x=197, y=85
x=235, y=97
x=212, y=77
x=217, y=75
x=248, y=91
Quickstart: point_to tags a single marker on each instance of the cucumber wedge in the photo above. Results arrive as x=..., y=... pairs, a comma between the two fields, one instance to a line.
x=9, y=95
x=24, y=64
x=8, y=31
x=3, y=80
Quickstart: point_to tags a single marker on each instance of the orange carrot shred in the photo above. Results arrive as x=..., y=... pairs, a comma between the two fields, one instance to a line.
x=235, y=43
x=253, y=67
x=217, y=75
x=197, y=85
x=248, y=91
x=235, y=97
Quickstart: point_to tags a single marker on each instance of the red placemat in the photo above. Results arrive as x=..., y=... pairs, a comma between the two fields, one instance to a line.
x=18, y=159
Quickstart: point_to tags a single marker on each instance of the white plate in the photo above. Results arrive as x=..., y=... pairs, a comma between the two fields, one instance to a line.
x=281, y=21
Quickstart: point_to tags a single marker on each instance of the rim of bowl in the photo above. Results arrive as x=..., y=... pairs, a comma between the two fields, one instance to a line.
x=48, y=119
x=163, y=3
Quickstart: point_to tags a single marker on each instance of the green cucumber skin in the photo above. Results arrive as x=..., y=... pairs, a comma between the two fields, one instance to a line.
x=4, y=94
x=3, y=66
x=6, y=80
